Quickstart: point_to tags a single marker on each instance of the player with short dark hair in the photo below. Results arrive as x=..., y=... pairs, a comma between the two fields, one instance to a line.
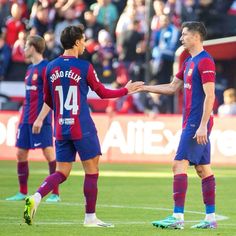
x=33, y=103
x=197, y=77
x=67, y=83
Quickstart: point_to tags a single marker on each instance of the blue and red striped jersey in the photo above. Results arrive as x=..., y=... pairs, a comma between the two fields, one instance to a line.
x=67, y=82
x=34, y=94
x=195, y=72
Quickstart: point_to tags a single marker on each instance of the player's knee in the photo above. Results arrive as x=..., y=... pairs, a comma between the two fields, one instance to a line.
x=21, y=155
x=199, y=171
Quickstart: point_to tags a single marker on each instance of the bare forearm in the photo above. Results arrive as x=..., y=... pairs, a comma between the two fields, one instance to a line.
x=166, y=89
x=207, y=109
x=44, y=111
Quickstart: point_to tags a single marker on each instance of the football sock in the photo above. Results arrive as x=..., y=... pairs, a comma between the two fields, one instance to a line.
x=23, y=174
x=37, y=197
x=50, y=183
x=208, y=193
x=210, y=217
x=179, y=216
x=90, y=192
x=52, y=169
x=90, y=216
x=180, y=185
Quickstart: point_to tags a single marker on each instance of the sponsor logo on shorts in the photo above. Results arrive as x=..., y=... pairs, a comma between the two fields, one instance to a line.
x=37, y=144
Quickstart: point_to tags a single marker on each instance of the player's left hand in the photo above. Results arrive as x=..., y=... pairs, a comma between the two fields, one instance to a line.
x=201, y=135
x=37, y=126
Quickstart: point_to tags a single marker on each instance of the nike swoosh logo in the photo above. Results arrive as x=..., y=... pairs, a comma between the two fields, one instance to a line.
x=37, y=144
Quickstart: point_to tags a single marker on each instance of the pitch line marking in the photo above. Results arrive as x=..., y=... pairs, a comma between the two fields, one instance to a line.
x=218, y=217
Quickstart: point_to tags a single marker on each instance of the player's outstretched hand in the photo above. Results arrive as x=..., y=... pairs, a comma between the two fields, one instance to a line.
x=133, y=87
x=37, y=126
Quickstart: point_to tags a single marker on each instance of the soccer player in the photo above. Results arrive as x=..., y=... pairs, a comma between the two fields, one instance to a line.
x=67, y=82
x=197, y=77
x=33, y=103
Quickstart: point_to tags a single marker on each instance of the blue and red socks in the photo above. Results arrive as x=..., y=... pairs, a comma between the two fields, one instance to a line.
x=180, y=185
x=208, y=193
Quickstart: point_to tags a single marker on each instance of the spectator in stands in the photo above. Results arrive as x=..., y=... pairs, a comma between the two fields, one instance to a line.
x=105, y=52
x=19, y=62
x=40, y=22
x=5, y=57
x=4, y=12
x=165, y=42
x=14, y=25
x=230, y=17
x=158, y=6
x=188, y=11
x=213, y=17
x=52, y=50
x=69, y=19
x=106, y=14
x=127, y=48
x=92, y=27
x=78, y=6
x=18, y=54
x=229, y=106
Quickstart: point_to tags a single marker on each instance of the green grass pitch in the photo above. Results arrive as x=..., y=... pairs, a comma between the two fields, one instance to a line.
x=130, y=195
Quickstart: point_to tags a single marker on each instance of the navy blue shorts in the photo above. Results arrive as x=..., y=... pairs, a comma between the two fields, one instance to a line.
x=190, y=150
x=88, y=147
x=25, y=139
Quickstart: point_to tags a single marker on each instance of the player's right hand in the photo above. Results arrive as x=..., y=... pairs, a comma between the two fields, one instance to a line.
x=133, y=86
x=37, y=126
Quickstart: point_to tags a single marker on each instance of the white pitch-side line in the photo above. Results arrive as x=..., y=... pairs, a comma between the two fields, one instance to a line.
x=114, y=222
x=218, y=217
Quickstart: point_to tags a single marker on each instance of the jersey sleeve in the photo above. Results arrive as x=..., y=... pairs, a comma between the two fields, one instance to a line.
x=100, y=89
x=180, y=74
x=46, y=90
x=206, y=68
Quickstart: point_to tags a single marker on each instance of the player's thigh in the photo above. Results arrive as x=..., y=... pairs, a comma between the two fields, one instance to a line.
x=48, y=153
x=65, y=151
x=88, y=147
x=180, y=167
x=91, y=166
x=190, y=150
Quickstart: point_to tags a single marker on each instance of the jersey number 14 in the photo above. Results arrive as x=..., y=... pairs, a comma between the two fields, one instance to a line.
x=71, y=101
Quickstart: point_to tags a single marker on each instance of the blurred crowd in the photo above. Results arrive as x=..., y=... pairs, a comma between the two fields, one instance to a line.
x=117, y=37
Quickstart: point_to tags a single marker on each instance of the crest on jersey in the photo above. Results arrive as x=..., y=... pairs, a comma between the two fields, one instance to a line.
x=190, y=71
x=35, y=77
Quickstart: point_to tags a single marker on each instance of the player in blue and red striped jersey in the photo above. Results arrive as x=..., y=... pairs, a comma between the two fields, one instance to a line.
x=197, y=77
x=67, y=82
x=32, y=106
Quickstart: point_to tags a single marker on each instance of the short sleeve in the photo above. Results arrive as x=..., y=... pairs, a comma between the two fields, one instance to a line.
x=180, y=74
x=206, y=68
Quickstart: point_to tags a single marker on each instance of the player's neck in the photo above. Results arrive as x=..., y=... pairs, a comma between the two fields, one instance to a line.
x=36, y=59
x=196, y=50
x=71, y=53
